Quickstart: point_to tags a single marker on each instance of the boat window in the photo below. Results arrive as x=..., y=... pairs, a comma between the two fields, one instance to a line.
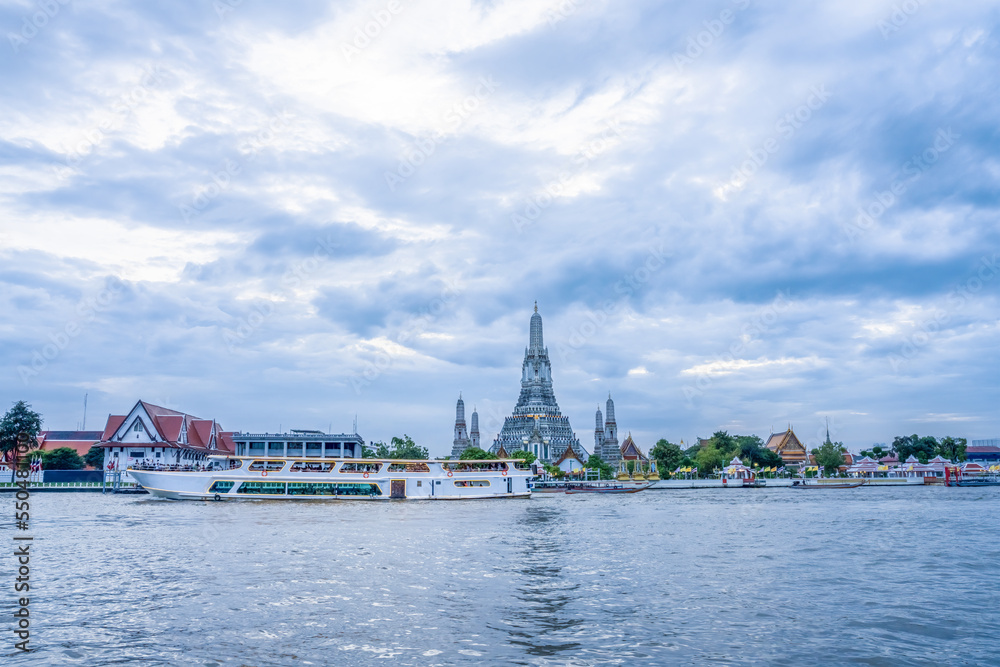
x=308, y=489
x=312, y=466
x=359, y=490
x=408, y=467
x=221, y=487
x=471, y=482
x=332, y=489
x=236, y=463
x=475, y=466
x=522, y=465
x=361, y=467
x=266, y=488
x=270, y=466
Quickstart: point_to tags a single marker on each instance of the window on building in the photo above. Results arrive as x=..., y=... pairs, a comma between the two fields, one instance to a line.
x=157, y=455
x=137, y=455
x=138, y=426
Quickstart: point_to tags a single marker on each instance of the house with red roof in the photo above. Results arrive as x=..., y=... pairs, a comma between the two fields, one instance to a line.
x=153, y=435
x=79, y=441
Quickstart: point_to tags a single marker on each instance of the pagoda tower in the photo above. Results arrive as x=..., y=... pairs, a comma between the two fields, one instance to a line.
x=536, y=422
x=461, y=441
x=474, y=430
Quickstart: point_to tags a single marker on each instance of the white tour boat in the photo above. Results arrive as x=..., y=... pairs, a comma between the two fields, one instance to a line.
x=259, y=477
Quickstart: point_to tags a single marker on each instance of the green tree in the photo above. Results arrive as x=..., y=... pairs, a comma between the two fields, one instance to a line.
x=475, y=454
x=748, y=448
x=709, y=458
x=952, y=449
x=725, y=443
x=924, y=448
x=766, y=458
x=525, y=456
x=399, y=448
x=20, y=418
x=667, y=455
x=830, y=456
x=94, y=457
x=405, y=448
x=876, y=452
x=605, y=470
x=64, y=458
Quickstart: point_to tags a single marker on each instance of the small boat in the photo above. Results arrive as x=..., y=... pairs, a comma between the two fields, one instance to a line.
x=797, y=484
x=979, y=481
x=607, y=487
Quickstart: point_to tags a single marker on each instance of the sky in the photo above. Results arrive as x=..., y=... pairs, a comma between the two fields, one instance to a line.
x=734, y=215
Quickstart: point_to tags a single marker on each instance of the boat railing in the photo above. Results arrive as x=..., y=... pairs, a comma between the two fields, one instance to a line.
x=474, y=466
x=171, y=467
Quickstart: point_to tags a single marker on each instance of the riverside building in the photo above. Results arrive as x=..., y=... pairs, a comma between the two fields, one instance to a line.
x=537, y=425
x=153, y=435
x=299, y=443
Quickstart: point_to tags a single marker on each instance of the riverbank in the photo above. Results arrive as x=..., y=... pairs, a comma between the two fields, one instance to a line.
x=785, y=483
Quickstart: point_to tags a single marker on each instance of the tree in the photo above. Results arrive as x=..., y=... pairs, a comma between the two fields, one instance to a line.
x=525, y=456
x=924, y=448
x=554, y=471
x=64, y=458
x=767, y=459
x=876, y=452
x=605, y=470
x=830, y=456
x=19, y=419
x=709, y=458
x=400, y=448
x=94, y=457
x=725, y=443
x=667, y=455
x=475, y=454
x=748, y=448
x=405, y=448
x=952, y=449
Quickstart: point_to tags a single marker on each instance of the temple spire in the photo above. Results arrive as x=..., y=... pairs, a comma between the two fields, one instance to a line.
x=535, y=332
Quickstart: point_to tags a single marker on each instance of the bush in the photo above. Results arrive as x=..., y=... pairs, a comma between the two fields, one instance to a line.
x=64, y=458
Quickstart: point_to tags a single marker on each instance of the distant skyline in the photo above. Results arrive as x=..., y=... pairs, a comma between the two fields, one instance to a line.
x=733, y=216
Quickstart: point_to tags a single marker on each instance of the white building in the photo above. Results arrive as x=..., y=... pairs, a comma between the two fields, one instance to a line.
x=154, y=435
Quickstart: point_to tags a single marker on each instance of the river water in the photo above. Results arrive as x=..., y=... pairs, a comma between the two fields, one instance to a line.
x=874, y=576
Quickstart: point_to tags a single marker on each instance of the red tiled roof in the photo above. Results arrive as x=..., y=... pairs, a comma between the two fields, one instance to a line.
x=78, y=441
x=169, y=426
x=158, y=411
x=200, y=432
x=224, y=442
x=114, y=421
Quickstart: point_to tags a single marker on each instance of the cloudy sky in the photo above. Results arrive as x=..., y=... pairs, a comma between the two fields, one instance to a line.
x=733, y=214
